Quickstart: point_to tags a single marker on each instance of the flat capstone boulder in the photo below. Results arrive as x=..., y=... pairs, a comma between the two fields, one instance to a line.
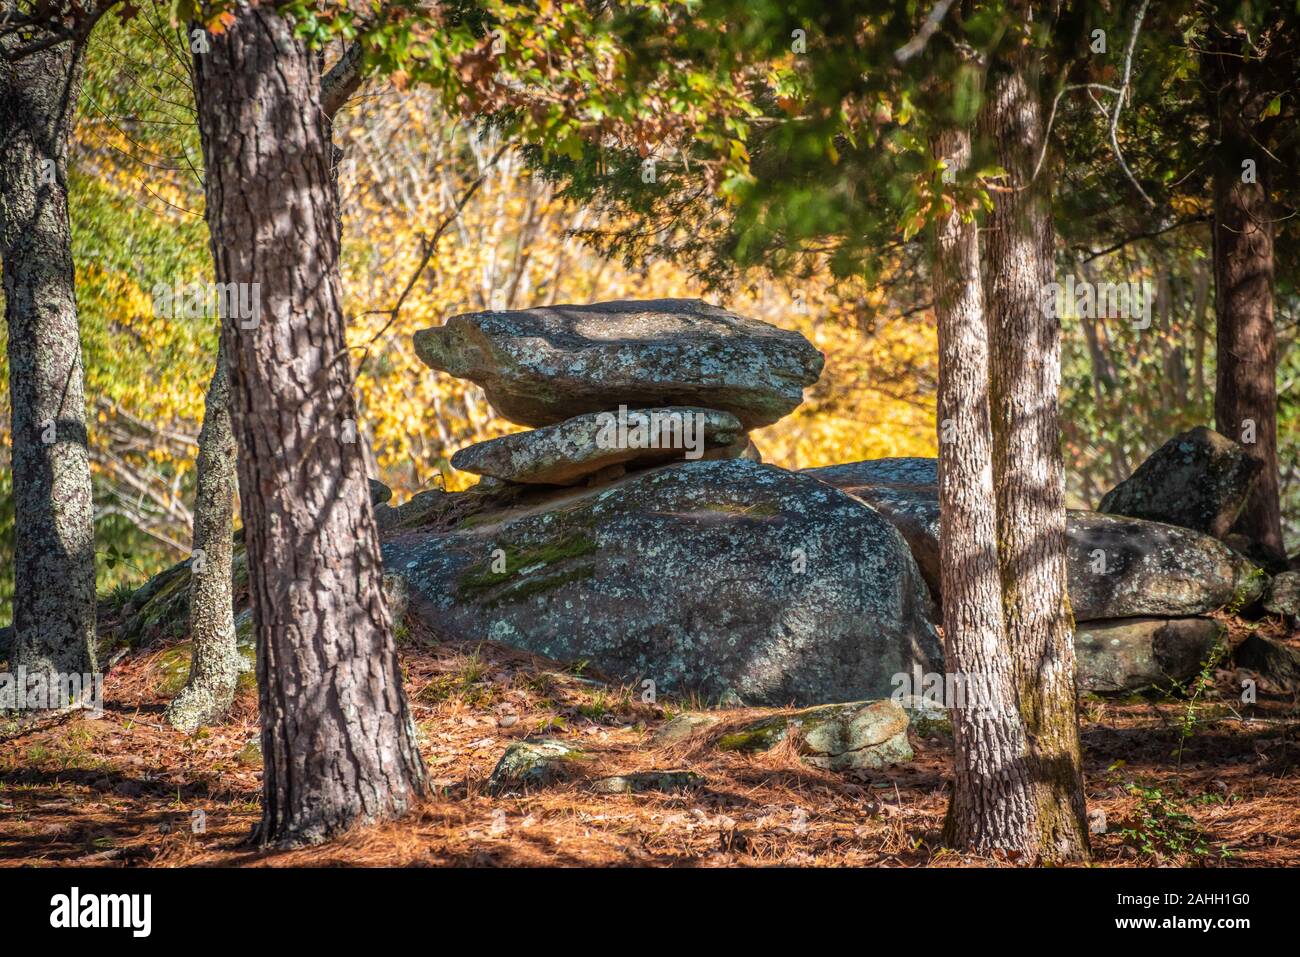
x=543, y=366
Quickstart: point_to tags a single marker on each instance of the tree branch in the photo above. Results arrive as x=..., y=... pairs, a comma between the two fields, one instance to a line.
x=915, y=45
x=1119, y=103
x=343, y=79
x=1150, y=234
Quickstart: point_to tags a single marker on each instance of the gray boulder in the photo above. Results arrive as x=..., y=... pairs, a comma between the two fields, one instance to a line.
x=1135, y=653
x=716, y=577
x=542, y=366
x=1277, y=662
x=576, y=448
x=1126, y=567
x=1199, y=479
x=1117, y=567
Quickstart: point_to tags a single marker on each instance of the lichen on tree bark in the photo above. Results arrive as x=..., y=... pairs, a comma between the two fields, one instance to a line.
x=215, y=662
x=54, y=564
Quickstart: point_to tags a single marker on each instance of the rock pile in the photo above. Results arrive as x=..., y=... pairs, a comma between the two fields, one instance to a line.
x=619, y=385
x=1139, y=589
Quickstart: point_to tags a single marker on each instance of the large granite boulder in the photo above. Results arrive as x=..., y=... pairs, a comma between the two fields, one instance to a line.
x=1199, y=479
x=1131, y=654
x=542, y=366
x=715, y=577
x=1117, y=567
x=576, y=448
x=1126, y=567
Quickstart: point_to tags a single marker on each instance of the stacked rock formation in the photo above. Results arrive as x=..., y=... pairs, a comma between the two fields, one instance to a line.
x=726, y=577
x=612, y=387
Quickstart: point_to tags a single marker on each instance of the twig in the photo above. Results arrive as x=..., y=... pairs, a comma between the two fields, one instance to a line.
x=915, y=45
x=1119, y=102
x=430, y=246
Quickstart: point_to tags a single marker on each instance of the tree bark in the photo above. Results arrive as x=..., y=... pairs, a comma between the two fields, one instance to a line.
x=992, y=807
x=338, y=743
x=54, y=560
x=1029, y=476
x=1245, y=396
x=215, y=662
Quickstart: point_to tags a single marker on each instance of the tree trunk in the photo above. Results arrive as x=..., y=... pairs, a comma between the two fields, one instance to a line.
x=1200, y=298
x=54, y=560
x=1245, y=396
x=992, y=805
x=1028, y=472
x=215, y=663
x=338, y=743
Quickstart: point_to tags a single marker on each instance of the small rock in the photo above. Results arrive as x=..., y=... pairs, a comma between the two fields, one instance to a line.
x=379, y=492
x=643, y=781
x=861, y=734
x=1284, y=595
x=1199, y=479
x=1097, y=821
x=682, y=727
x=1275, y=661
x=531, y=764
x=610, y=473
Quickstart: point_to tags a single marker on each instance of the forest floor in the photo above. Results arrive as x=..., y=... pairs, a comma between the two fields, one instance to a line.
x=1202, y=782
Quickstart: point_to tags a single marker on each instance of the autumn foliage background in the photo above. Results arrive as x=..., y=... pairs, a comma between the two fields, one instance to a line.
x=136, y=199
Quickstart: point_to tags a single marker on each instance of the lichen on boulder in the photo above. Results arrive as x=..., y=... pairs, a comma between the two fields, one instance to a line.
x=1117, y=567
x=531, y=764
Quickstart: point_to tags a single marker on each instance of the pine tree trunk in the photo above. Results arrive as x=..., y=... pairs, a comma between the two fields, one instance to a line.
x=215, y=663
x=1245, y=395
x=992, y=805
x=54, y=561
x=1028, y=473
x=338, y=742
